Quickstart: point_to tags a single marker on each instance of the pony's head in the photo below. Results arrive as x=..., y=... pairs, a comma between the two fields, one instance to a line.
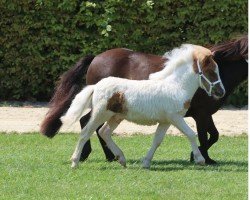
x=208, y=71
x=235, y=49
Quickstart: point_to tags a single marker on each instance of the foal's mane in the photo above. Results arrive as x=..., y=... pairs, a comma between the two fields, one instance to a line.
x=175, y=58
x=235, y=49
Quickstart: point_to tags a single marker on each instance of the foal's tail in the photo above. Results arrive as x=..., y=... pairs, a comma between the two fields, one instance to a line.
x=81, y=105
x=68, y=87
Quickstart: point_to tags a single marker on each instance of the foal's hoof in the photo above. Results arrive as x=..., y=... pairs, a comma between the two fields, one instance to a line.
x=208, y=160
x=199, y=160
x=145, y=163
x=74, y=165
x=75, y=162
x=121, y=160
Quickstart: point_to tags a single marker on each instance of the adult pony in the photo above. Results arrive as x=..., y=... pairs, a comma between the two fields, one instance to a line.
x=230, y=56
x=163, y=100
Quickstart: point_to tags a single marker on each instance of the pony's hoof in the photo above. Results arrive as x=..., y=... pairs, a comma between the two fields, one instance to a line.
x=191, y=157
x=210, y=161
x=145, y=163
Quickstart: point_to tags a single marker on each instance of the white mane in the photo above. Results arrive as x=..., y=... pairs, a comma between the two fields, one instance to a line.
x=175, y=58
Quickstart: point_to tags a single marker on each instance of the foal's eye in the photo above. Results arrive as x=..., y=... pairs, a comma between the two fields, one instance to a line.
x=212, y=75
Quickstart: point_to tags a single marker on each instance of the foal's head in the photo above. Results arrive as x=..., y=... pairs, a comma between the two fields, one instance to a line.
x=208, y=71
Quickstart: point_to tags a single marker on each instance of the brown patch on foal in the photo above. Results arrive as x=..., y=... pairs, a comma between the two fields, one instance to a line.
x=206, y=64
x=117, y=103
x=187, y=104
x=204, y=56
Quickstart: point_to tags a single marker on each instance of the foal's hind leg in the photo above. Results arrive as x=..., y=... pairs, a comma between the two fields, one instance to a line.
x=179, y=123
x=159, y=135
x=108, y=153
x=105, y=133
x=86, y=132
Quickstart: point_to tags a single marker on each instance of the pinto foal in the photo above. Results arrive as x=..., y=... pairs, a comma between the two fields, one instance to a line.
x=164, y=99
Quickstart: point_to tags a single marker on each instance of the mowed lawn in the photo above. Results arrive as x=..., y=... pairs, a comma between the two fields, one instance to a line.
x=34, y=167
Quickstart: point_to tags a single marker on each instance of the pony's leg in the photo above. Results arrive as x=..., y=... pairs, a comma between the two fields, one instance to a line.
x=87, y=147
x=204, y=124
x=214, y=136
x=159, y=135
x=105, y=133
x=201, y=126
x=214, y=133
x=179, y=123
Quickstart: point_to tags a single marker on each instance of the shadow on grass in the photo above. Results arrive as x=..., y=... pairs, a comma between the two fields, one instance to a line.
x=175, y=165
x=172, y=165
x=91, y=160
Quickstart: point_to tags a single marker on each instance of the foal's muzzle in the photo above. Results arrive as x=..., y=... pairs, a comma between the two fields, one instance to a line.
x=218, y=93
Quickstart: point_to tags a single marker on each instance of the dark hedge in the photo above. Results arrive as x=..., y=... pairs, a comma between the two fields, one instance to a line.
x=40, y=39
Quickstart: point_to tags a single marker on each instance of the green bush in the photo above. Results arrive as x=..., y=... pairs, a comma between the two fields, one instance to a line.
x=40, y=39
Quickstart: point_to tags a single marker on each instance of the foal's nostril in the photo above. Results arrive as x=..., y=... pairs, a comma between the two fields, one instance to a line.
x=219, y=92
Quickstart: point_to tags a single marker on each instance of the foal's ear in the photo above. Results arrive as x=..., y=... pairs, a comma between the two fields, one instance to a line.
x=195, y=66
x=208, y=62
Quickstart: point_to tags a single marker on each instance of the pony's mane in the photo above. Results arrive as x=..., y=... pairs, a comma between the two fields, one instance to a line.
x=175, y=58
x=235, y=49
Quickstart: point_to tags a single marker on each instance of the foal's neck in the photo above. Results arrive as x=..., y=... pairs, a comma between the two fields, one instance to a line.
x=186, y=79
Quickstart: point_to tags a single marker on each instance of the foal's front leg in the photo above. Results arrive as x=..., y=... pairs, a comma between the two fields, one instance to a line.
x=159, y=135
x=179, y=123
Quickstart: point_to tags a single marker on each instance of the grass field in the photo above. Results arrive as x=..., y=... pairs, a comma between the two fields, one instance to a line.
x=34, y=167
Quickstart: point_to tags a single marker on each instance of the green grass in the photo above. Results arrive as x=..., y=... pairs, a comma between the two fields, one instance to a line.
x=34, y=167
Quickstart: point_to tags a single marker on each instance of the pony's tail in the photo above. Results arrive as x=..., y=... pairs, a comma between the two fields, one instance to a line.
x=68, y=86
x=81, y=105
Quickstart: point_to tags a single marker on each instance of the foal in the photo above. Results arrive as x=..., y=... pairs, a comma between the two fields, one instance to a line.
x=164, y=101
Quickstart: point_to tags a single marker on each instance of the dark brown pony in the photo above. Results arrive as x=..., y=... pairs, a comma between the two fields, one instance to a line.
x=231, y=58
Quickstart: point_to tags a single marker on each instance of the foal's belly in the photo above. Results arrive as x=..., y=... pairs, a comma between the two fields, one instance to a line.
x=147, y=119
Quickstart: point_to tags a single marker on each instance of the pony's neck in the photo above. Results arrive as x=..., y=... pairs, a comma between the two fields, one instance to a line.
x=186, y=78
x=232, y=73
